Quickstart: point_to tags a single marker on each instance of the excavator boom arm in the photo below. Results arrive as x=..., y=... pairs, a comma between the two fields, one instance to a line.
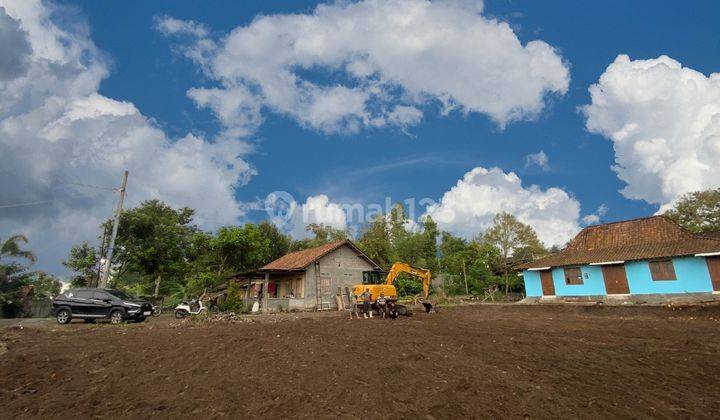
x=420, y=273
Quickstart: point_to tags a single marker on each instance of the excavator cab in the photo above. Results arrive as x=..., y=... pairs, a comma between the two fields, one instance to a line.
x=374, y=277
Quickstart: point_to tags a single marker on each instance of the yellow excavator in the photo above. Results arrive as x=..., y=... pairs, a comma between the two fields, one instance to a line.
x=373, y=282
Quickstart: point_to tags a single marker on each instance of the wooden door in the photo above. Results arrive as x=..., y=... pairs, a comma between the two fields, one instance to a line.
x=546, y=280
x=615, y=279
x=714, y=268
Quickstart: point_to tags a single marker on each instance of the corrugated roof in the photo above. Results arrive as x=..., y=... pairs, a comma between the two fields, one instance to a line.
x=301, y=259
x=638, y=239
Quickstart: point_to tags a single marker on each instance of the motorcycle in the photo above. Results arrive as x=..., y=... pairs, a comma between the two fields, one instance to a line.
x=157, y=307
x=192, y=307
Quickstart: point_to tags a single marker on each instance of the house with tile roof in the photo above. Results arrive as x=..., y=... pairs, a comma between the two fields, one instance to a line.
x=309, y=279
x=648, y=256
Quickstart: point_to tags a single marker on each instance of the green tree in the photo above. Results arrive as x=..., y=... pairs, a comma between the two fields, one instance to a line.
x=45, y=286
x=84, y=262
x=322, y=234
x=278, y=243
x=15, y=261
x=467, y=267
x=153, y=240
x=428, y=244
x=508, y=235
x=698, y=211
x=375, y=242
x=239, y=249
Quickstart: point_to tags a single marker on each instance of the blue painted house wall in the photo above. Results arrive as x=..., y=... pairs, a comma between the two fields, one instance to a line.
x=532, y=283
x=593, y=282
x=692, y=276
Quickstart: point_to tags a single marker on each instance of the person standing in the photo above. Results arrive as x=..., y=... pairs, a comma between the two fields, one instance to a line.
x=382, y=305
x=354, y=306
x=367, y=302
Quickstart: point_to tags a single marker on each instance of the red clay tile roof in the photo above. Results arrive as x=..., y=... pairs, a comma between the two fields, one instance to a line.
x=710, y=235
x=639, y=239
x=301, y=259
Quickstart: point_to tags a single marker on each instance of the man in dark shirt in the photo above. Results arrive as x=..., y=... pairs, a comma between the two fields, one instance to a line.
x=367, y=300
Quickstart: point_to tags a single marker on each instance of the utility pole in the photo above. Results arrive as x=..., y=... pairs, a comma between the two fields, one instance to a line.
x=116, y=222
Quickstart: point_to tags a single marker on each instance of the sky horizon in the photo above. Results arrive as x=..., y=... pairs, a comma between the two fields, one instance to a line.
x=562, y=114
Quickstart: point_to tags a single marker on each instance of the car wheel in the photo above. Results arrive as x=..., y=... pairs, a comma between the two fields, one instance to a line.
x=64, y=316
x=116, y=316
x=89, y=321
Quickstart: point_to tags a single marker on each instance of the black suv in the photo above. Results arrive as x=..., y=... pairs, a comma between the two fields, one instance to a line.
x=90, y=304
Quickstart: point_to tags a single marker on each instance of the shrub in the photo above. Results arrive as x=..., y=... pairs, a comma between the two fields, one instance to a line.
x=234, y=300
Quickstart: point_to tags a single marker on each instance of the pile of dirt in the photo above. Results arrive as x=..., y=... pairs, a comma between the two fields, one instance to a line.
x=477, y=361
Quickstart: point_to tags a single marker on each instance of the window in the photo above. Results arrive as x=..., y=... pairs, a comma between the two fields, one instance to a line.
x=83, y=294
x=662, y=270
x=100, y=296
x=573, y=275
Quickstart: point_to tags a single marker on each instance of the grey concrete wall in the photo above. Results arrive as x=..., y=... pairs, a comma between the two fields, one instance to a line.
x=340, y=268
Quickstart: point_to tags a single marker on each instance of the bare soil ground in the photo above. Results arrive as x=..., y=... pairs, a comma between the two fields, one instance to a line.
x=473, y=361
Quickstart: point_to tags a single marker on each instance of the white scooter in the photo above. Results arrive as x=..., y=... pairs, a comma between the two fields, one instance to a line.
x=192, y=307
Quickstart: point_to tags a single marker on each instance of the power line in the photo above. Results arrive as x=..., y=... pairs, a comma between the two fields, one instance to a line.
x=91, y=186
x=34, y=203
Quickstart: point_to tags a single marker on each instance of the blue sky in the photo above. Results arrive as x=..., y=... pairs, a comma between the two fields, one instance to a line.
x=148, y=69
x=304, y=162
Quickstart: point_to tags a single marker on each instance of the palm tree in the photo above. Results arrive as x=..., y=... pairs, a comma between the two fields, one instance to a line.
x=11, y=249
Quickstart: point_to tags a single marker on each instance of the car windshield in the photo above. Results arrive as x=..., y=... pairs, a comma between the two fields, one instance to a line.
x=121, y=294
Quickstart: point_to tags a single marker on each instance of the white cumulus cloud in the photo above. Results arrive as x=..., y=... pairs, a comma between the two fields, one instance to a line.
x=539, y=159
x=664, y=122
x=595, y=218
x=317, y=209
x=468, y=208
x=373, y=63
x=58, y=135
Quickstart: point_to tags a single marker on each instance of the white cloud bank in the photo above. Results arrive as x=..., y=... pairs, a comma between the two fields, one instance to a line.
x=664, y=122
x=468, y=208
x=57, y=131
x=371, y=64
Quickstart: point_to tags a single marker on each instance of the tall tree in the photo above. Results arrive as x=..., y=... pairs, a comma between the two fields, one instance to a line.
x=12, y=248
x=84, y=262
x=278, y=242
x=698, y=211
x=467, y=266
x=428, y=245
x=509, y=235
x=153, y=240
x=322, y=234
x=375, y=242
x=239, y=249
x=15, y=262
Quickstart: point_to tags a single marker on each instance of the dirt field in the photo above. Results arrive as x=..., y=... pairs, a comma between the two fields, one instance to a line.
x=478, y=361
